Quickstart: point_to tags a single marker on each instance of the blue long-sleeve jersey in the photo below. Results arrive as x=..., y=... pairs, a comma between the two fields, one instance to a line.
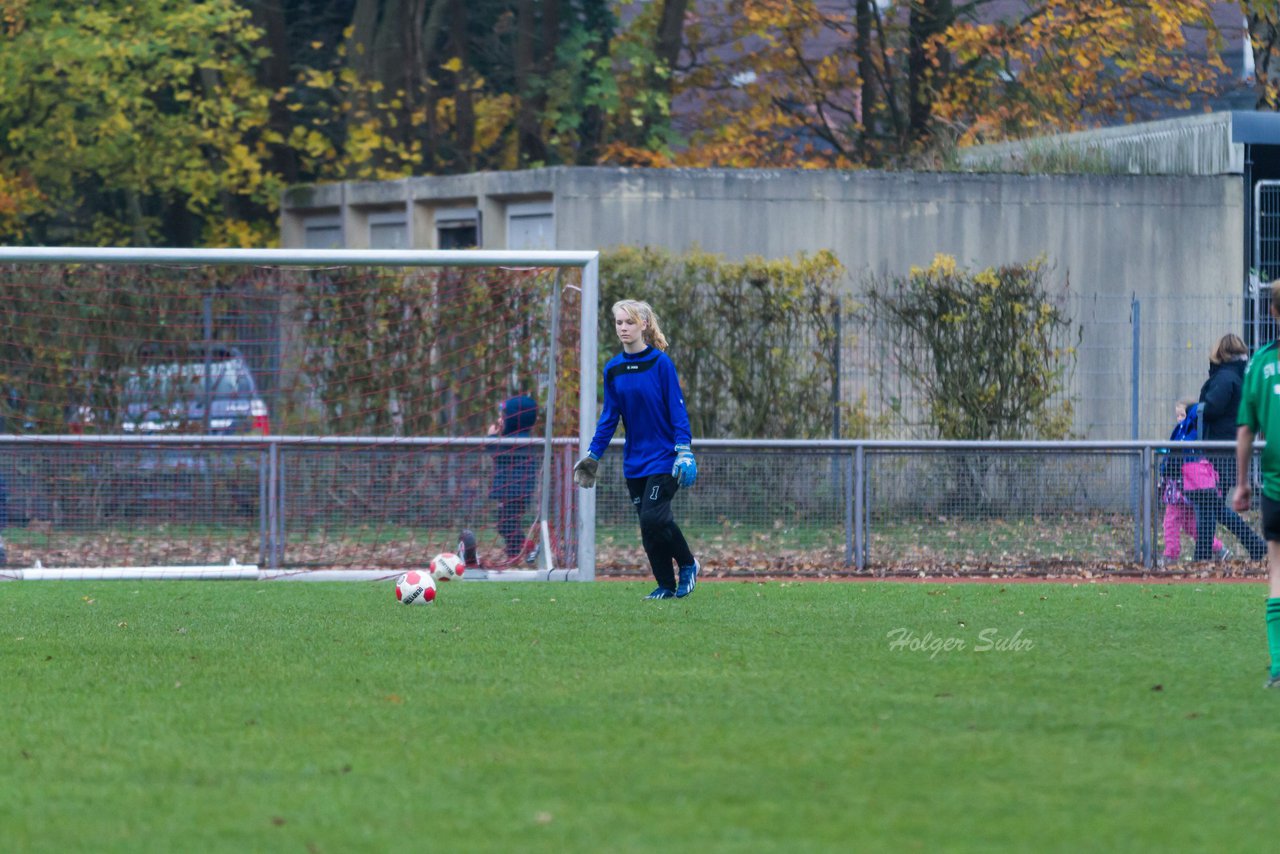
x=643, y=390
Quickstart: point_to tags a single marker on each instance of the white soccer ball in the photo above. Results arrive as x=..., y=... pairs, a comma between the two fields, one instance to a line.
x=415, y=587
x=447, y=566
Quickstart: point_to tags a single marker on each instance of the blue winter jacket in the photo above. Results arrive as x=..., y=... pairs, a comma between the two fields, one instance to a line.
x=515, y=467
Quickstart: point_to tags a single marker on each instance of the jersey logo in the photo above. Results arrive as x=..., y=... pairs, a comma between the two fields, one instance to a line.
x=630, y=368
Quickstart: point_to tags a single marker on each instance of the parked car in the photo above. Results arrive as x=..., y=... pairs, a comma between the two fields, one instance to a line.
x=204, y=392
x=192, y=391
x=199, y=392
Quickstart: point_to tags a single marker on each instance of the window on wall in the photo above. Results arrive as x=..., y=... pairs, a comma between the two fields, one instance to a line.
x=457, y=228
x=388, y=230
x=322, y=232
x=530, y=225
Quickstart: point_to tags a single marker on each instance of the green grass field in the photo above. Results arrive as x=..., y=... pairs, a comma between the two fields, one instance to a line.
x=229, y=716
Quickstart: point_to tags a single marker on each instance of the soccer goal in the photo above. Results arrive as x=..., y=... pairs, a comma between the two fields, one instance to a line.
x=301, y=414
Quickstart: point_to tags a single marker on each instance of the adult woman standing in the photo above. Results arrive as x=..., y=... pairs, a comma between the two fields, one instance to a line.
x=1219, y=406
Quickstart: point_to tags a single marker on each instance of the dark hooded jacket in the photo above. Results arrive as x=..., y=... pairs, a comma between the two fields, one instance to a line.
x=1219, y=406
x=515, y=467
x=1220, y=396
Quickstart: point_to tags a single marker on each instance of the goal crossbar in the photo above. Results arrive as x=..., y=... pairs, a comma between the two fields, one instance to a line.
x=300, y=257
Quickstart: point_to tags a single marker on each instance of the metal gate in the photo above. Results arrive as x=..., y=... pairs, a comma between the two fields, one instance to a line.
x=1266, y=261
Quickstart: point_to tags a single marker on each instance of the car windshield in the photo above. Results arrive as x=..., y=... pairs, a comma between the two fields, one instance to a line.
x=185, y=381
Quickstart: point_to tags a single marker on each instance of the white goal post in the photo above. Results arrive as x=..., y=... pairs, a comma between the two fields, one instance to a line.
x=586, y=263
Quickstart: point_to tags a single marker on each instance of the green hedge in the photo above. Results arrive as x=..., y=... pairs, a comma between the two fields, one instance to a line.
x=755, y=341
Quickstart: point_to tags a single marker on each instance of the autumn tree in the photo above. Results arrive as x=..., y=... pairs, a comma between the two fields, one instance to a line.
x=648, y=58
x=459, y=86
x=806, y=83
x=444, y=86
x=767, y=83
x=133, y=124
x=1066, y=65
x=159, y=122
x=820, y=84
x=162, y=122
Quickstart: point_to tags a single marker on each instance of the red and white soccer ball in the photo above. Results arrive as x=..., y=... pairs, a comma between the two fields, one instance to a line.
x=447, y=566
x=415, y=587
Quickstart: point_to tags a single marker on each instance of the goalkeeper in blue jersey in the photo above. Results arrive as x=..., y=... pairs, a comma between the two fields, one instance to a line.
x=641, y=388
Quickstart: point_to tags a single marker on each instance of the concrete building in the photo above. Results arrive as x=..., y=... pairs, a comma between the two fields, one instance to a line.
x=1157, y=241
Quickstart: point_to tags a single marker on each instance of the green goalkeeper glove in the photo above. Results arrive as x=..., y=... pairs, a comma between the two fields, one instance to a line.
x=584, y=473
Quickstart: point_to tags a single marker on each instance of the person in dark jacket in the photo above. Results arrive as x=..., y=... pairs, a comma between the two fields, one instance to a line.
x=515, y=470
x=1219, y=406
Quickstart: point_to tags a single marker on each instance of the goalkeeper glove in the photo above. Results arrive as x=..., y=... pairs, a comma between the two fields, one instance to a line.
x=584, y=473
x=685, y=471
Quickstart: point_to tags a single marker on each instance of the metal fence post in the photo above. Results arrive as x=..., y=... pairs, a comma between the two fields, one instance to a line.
x=264, y=505
x=859, y=508
x=273, y=508
x=1148, y=525
x=849, y=536
x=281, y=502
x=1135, y=385
x=835, y=392
x=835, y=376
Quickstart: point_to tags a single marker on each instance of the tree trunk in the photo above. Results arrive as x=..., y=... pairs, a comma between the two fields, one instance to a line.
x=465, y=112
x=668, y=44
x=529, y=147
x=867, y=91
x=599, y=22
x=928, y=18
x=1264, y=33
x=668, y=41
x=670, y=35
x=376, y=47
x=428, y=34
x=274, y=74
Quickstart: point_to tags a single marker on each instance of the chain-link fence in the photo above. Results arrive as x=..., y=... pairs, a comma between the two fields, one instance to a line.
x=305, y=503
x=806, y=507
x=844, y=377
x=919, y=507
x=1138, y=355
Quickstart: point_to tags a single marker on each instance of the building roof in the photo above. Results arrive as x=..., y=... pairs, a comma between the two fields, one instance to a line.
x=1203, y=144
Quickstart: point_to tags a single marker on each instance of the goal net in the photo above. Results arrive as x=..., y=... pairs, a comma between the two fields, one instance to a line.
x=166, y=413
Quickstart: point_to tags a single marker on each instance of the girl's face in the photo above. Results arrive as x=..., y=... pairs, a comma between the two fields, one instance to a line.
x=630, y=331
x=1180, y=411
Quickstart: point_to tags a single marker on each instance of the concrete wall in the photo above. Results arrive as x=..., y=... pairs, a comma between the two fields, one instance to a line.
x=1175, y=241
